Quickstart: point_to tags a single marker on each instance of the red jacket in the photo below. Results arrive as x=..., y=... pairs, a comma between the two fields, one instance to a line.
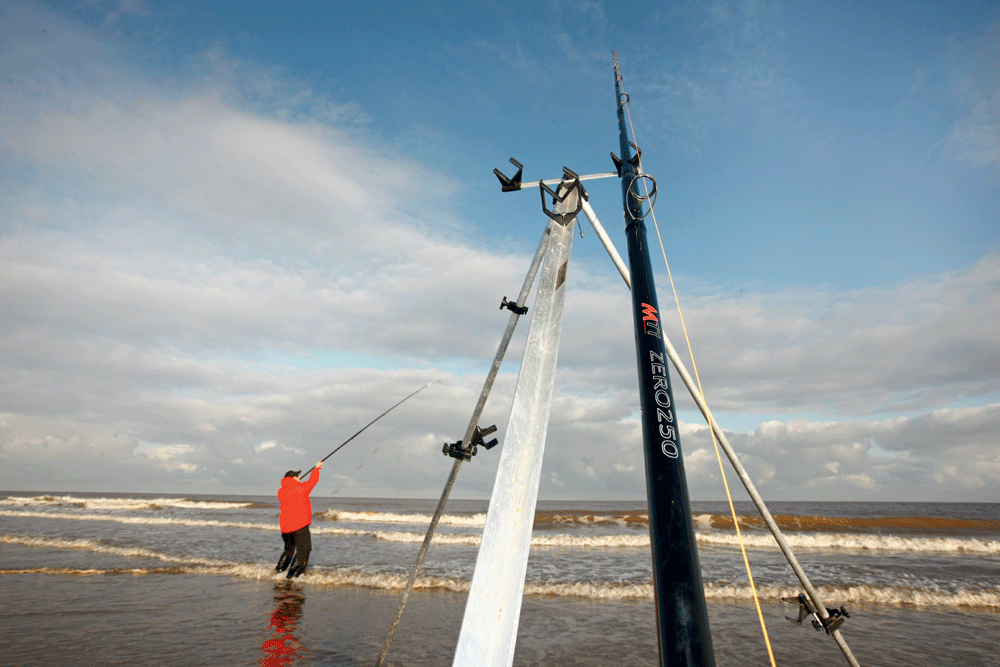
x=296, y=511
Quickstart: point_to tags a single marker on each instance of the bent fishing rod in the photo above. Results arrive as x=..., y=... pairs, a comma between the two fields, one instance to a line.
x=367, y=425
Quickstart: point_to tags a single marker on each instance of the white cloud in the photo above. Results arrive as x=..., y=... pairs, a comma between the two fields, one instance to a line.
x=974, y=83
x=190, y=282
x=169, y=457
x=271, y=444
x=975, y=139
x=929, y=454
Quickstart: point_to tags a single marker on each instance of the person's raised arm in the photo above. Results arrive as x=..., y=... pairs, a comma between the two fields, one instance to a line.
x=313, y=477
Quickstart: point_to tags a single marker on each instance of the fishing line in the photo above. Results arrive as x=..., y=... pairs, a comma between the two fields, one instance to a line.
x=369, y=424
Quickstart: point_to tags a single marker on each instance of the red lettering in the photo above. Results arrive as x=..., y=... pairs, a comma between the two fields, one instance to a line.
x=649, y=313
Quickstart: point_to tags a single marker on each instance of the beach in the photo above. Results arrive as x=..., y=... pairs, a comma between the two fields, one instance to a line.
x=148, y=579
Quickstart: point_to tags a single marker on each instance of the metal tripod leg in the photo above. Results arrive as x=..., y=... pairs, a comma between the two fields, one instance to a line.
x=529, y=280
x=492, y=611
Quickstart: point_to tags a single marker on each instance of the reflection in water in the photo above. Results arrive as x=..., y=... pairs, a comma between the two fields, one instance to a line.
x=282, y=648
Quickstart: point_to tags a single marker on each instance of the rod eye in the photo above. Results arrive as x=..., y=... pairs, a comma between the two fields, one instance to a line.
x=651, y=197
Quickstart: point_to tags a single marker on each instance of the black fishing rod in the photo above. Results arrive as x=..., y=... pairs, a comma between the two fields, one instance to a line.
x=681, y=611
x=369, y=424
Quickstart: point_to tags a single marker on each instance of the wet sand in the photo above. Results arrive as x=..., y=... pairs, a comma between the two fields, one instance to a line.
x=118, y=618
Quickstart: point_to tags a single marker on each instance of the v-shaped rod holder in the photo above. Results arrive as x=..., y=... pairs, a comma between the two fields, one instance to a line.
x=635, y=160
x=510, y=184
x=571, y=180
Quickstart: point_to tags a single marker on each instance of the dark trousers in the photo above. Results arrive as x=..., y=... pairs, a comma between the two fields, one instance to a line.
x=298, y=544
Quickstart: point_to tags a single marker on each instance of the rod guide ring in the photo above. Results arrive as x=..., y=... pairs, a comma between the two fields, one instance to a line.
x=651, y=197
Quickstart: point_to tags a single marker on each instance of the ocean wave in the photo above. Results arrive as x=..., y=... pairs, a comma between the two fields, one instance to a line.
x=471, y=521
x=820, y=541
x=91, y=572
x=542, y=520
x=789, y=524
x=583, y=518
x=122, y=503
x=985, y=599
x=143, y=520
x=898, y=524
x=98, y=547
x=537, y=540
x=835, y=596
x=857, y=542
x=705, y=522
x=390, y=536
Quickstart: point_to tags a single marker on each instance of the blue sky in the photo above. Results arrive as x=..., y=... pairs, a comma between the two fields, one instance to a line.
x=232, y=234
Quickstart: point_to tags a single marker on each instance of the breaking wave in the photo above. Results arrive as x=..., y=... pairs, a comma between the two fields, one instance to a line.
x=863, y=526
x=122, y=503
x=984, y=599
x=823, y=541
x=98, y=547
x=470, y=521
x=143, y=520
x=583, y=518
x=907, y=524
x=859, y=542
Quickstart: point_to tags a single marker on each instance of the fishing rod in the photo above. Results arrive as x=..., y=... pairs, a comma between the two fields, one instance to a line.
x=681, y=610
x=369, y=424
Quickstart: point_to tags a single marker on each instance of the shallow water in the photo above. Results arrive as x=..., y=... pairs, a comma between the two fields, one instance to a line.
x=153, y=580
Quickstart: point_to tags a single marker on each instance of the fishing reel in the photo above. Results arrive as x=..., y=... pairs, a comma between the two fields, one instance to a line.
x=806, y=610
x=456, y=451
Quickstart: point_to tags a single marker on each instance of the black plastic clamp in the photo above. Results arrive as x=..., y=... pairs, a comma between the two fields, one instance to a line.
x=513, y=307
x=835, y=617
x=456, y=451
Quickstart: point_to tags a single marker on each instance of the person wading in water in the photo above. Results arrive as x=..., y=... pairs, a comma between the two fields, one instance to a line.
x=294, y=520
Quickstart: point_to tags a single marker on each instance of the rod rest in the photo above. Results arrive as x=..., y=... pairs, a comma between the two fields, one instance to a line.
x=510, y=184
x=512, y=306
x=456, y=451
x=807, y=610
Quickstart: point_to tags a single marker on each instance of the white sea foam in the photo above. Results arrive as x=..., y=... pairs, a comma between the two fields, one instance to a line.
x=822, y=541
x=474, y=520
x=92, y=545
x=143, y=520
x=988, y=599
x=880, y=595
x=390, y=536
x=537, y=540
x=859, y=542
x=471, y=521
x=586, y=519
x=802, y=541
x=119, y=503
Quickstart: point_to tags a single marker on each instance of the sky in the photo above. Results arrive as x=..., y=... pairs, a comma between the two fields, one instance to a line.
x=232, y=234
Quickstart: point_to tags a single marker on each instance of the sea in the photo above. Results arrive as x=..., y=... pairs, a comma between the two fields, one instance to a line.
x=163, y=579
